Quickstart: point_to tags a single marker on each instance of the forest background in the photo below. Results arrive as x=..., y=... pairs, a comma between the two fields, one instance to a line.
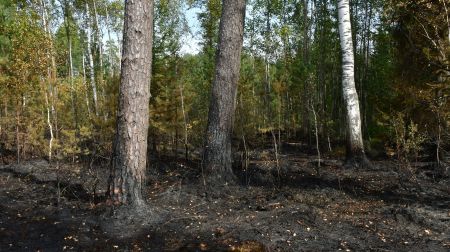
x=60, y=71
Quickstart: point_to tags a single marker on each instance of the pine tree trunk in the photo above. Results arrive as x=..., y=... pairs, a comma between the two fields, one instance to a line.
x=130, y=151
x=355, y=150
x=218, y=158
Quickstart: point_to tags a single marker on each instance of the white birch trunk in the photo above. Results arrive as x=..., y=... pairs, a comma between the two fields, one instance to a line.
x=185, y=122
x=50, y=126
x=356, y=146
x=91, y=60
x=99, y=37
x=46, y=26
x=86, y=86
x=108, y=29
x=65, y=9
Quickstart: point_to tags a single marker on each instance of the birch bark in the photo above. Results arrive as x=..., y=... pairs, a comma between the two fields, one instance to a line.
x=355, y=150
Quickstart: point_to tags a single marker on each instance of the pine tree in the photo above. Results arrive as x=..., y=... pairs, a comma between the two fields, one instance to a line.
x=130, y=151
x=218, y=153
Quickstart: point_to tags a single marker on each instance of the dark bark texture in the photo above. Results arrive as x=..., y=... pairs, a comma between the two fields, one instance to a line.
x=130, y=150
x=218, y=160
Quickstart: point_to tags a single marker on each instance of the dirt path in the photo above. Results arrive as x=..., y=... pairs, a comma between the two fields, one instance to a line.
x=286, y=209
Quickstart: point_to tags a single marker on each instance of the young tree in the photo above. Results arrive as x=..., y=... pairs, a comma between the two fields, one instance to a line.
x=130, y=157
x=218, y=159
x=355, y=149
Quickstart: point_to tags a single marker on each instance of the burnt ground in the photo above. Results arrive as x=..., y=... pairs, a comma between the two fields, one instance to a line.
x=49, y=207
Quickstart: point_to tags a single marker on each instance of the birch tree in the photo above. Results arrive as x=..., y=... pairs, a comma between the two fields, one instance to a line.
x=355, y=149
x=91, y=59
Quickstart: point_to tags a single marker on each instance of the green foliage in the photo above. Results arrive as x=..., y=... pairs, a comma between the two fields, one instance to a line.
x=408, y=138
x=408, y=141
x=290, y=69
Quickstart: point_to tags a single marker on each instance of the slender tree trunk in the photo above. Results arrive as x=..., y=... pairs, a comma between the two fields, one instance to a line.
x=185, y=123
x=99, y=36
x=5, y=102
x=49, y=123
x=91, y=60
x=99, y=42
x=52, y=75
x=86, y=86
x=305, y=93
x=267, y=51
x=66, y=12
x=130, y=151
x=110, y=56
x=17, y=132
x=316, y=133
x=218, y=158
x=45, y=22
x=355, y=150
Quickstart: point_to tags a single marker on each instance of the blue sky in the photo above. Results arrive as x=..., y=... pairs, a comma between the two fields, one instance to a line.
x=191, y=41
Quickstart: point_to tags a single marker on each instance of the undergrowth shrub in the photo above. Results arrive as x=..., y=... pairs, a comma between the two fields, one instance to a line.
x=408, y=140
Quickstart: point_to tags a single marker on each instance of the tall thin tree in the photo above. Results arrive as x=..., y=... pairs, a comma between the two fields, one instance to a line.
x=355, y=149
x=130, y=151
x=218, y=159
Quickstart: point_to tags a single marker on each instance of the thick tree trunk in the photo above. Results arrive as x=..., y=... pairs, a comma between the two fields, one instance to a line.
x=218, y=158
x=355, y=150
x=130, y=157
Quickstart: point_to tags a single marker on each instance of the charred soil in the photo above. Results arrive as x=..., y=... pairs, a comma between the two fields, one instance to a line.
x=292, y=206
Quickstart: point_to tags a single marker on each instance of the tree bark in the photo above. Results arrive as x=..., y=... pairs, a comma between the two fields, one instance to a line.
x=67, y=13
x=99, y=37
x=130, y=151
x=186, y=149
x=355, y=150
x=45, y=23
x=49, y=122
x=87, y=88
x=17, y=133
x=110, y=56
x=218, y=158
x=91, y=60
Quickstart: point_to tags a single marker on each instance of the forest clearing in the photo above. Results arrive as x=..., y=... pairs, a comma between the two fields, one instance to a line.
x=224, y=125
